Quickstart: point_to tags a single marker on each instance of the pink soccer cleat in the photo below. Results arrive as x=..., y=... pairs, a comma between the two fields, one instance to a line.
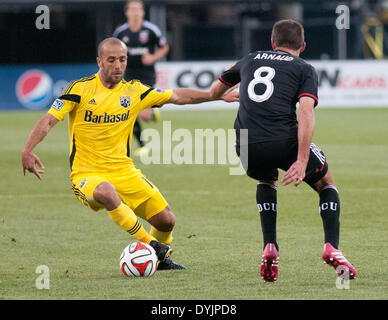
x=269, y=268
x=334, y=257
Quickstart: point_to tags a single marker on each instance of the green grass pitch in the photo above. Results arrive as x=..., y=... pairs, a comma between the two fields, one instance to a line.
x=217, y=235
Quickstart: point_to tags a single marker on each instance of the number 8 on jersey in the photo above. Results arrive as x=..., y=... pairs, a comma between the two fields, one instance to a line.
x=266, y=80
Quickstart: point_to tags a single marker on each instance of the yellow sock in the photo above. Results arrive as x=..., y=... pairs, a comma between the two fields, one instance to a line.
x=164, y=237
x=127, y=220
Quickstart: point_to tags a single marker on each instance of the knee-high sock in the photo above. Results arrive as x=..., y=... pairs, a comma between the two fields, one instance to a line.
x=161, y=236
x=329, y=208
x=127, y=220
x=266, y=198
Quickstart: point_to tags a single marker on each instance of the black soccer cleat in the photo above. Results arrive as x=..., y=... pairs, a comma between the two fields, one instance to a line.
x=168, y=264
x=163, y=251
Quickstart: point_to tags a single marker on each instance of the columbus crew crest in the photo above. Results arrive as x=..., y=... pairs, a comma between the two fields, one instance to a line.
x=125, y=101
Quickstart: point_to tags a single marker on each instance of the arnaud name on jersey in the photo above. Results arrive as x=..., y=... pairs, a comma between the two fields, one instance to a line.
x=274, y=56
x=105, y=118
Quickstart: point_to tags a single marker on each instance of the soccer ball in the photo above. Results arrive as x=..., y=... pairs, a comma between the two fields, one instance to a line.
x=138, y=260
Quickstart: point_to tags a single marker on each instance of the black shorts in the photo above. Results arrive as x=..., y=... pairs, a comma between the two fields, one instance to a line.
x=265, y=158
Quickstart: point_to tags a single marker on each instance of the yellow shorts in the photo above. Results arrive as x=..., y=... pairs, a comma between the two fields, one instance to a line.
x=133, y=188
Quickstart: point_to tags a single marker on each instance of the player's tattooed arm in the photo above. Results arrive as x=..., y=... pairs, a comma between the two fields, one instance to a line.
x=29, y=159
x=190, y=96
x=52, y=121
x=183, y=96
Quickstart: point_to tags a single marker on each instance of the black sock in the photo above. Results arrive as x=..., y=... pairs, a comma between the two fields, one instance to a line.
x=329, y=208
x=266, y=199
x=137, y=132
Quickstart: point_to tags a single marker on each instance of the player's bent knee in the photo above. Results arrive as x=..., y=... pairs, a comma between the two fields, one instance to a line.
x=164, y=220
x=168, y=219
x=168, y=224
x=327, y=180
x=105, y=193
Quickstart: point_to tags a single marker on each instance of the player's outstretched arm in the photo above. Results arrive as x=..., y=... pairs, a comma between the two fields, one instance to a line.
x=306, y=124
x=29, y=159
x=190, y=96
x=219, y=89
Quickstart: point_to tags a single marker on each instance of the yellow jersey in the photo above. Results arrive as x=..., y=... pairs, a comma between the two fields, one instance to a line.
x=101, y=121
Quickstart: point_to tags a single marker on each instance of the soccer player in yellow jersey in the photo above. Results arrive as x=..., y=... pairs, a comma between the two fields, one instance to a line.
x=102, y=109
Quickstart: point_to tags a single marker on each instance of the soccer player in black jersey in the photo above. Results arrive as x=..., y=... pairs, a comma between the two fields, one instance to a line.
x=141, y=38
x=271, y=84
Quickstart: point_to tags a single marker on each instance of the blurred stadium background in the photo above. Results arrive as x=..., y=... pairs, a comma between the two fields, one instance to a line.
x=204, y=37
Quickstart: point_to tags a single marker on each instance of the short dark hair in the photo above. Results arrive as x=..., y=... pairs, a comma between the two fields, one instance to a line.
x=288, y=34
x=129, y=1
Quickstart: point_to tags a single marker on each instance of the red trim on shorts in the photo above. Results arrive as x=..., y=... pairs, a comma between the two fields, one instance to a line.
x=321, y=168
x=323, y=164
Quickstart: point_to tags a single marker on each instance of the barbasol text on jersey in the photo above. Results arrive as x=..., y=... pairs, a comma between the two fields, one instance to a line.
x=105, y=118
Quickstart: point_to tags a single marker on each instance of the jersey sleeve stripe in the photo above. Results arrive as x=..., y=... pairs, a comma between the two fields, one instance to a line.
x=68, y=87
x=119, y=29
x=309, y=95
x=71, y=97
x=153, y=27
x=72, y=84
x=224, y=82
x=144, y=94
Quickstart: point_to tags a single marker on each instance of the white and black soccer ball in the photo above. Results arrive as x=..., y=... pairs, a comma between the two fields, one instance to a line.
x=138, y=260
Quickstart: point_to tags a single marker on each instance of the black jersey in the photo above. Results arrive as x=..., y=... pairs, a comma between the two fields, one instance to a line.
x=271, y=83
x=139, y=43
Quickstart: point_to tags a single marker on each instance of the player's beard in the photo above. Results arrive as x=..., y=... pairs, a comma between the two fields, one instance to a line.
x=112, y=77
x=115, y=77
